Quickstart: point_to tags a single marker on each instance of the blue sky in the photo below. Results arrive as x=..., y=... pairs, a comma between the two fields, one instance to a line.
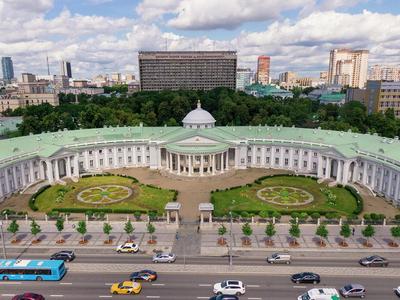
x=100, y=36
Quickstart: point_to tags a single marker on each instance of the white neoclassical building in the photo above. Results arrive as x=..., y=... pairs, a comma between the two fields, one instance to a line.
x=200, y=148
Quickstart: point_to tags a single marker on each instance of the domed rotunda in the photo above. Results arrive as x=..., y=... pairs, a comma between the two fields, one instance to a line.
x=198, y=118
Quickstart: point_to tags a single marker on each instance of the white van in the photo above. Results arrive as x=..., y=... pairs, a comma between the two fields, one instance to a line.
x=320, y=294
x=278, y=258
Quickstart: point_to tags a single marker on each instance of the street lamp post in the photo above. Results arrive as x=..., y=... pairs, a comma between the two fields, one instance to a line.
x=3, y=241
x=231, y=237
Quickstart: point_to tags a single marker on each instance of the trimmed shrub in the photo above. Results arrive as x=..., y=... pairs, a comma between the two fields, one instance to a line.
x=359, y=200
x=32, y=199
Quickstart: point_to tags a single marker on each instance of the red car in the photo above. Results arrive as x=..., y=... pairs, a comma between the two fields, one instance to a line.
x=28, y=296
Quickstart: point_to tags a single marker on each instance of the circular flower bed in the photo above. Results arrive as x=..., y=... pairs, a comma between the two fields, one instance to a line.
x=104, y=194
x=283, y=195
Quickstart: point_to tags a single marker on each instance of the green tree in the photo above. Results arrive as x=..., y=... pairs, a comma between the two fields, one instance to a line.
x=395, y=231
x=247, y=231
x=128, y=228
x=345, y=232
x=221, y=232
x=81, y=228
x=270, y=231
x=35, y=228
x=13, y=228
x=151, y=229
x=60, y=227
x=294, y=232
x=107, y=228
x=368, y=232
x=322, y=232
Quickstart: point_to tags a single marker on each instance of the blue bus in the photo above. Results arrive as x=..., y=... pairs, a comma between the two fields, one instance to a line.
x=24, y=269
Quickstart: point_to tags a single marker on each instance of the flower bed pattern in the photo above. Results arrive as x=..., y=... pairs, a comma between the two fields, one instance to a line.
x=283, y=195
x=104, y=194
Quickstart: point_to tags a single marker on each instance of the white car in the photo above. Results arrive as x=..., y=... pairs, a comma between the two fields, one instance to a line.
x=397, y=291
x=128, y=248
x=230, y=287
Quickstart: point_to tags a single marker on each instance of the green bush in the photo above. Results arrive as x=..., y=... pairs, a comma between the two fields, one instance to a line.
x=245, y=214
x=315, y=215
x=359, y=200
x=367, y=217
x=32, y=199
x=397, y=217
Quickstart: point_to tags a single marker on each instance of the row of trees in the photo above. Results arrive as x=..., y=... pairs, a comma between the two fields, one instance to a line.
x=81, y=228
x=227, y=106
x=321, y=231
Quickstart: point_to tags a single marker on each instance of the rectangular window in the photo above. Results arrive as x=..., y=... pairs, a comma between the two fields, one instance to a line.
x=91, y=163
x=286, y=161
x=147, y=148
x=110, y=151
x=101, y=161
x=258, y=160
x=119, y=150
x=315, y=154
x=267, y=159
x=305, y=164
x=314, y=165
x=129, y=149
x=129, y=159
x=296, y=151
x=258, y=149
x=148, y=159
x=248, y=159
x=137, y=148
x=81, y=165
x=120, y=160
x=277, y=161
x=268, y=149
x=100, y=151
x=139, y=159
x=110, y=161
x=296, y=162
x=242, y=161
x=287, y=151
x=37, y=175
x=277, y=150
x=90, y=152
x=305, y=152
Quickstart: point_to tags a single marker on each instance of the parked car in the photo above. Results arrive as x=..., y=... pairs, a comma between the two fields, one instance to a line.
x=128, y=248
x=143, y=275
x=229, y=287
x=306, y=277
x=278, y=258
x=353, y=290
x=28, y=296
x=126, y=288
x=397, y=291
x=65, y=255
x=320, y=294
x=374, y=261
x=164, y=258
x=224, y=297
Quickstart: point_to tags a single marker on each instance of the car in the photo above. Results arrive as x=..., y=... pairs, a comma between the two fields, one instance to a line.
x=224, y=297
x=306, y=277
x=164, y=258
x=65, y=255
x=28, y=296
x=278, y=258
x=143, y=275
x=397, y=291
x=353, y=290
x=374, y=261
x=229, y=287
x=320, y=294
x=128, y=248
x=126, y=288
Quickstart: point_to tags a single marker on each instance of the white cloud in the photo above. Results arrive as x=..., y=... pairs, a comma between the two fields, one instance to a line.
x=334, y=4
x=150, y=10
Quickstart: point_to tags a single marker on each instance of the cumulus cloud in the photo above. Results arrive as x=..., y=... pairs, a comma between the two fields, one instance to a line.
x=149, y=10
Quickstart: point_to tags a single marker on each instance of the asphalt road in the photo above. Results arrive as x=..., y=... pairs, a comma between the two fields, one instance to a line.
x=338, y=260
x=172, y=286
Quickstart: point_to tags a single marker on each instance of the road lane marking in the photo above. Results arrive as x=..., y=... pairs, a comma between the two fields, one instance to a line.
x=254, y=298
x=57, y=296
x=66, y=283
x=108, y=283
x=158, y=284
x=153, y=297
x=203, y=297
x=203, y=284
x=7, y=295
x=10, y=282
x=299, y=287
x=105, y=296
x=252, y=285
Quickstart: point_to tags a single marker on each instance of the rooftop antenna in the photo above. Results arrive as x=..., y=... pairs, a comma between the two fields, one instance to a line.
x=48, y=66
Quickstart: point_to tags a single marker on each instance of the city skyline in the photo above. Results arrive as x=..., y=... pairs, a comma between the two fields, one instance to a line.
x=104, y=36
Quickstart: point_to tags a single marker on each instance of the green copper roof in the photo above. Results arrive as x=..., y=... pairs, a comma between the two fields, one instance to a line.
x=9, y=124
x=347, y=143
x=196, y=149
x=333, y=97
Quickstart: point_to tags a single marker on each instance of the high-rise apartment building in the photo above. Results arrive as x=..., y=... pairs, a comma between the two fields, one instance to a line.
x=287, y=77
x=195, y=70
x=244, y=77
x=66, y=69
x=7, y=68
x=348, y=67
x=382, y=95
x=263, y=65
x=381, y=72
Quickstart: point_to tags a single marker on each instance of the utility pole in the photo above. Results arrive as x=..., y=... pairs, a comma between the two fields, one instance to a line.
x=3, y=241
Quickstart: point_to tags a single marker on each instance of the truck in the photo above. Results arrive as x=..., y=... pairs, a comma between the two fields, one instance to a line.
x=320, y=294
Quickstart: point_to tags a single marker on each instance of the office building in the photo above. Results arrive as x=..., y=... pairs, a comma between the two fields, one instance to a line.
x=348, y=67
x=61, y=81
x=263, y=65
x=116, y=77
x=7, y=68
x=287, y=77
x=244, y=77
x=66, y=69
x=381, y=72
x=382, y=95
x=81, y=83
x=194, y=70
x=129, y=78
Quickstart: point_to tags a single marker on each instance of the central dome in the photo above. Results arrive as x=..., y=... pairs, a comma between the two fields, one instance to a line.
x=198, y=118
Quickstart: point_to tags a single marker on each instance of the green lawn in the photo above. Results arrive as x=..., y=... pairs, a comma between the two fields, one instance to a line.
x=247, y=200
x=143, y=198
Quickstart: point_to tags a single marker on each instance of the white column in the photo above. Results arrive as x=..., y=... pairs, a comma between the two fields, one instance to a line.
x=201, y=165
x=171, y=165
x=41, y=170
x=291, y=158
x=262, y=155
x=159, y=157
x=339, y=172
x=365, y=175
x=281, y=159
x=328, y=168
x=86, y=154
x=381, y=179
x=236, y=157
x=397, y=188
x=96, y=158
x=346, y=170
x=56, y=170
x=300, y=166
x=7, y=181
x=309, y=163
x=68, y=166
x=190, y=165
x=115, y=149
x=222, y=162
x=106, y=165
x=31, y=172
x=354, y=176
x=213, y=164
x=373, y=183
x=389, y=186
x=134, y=155
x=253, y=156
x=320, y=166
x=23, y=174
x=76, y=165
x=272, y=159
x=125, y=156
x=227, y=160
x=14, y=170
x=179, y=164
x=144, y=160
x=49, y=167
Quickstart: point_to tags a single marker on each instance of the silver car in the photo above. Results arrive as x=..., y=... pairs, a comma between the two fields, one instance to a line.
x=353, y=290
x=164, y=258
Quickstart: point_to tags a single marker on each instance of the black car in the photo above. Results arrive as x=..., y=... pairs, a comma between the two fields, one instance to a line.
x=305, y=277
x=143, y=275
x=224, y=297
x=66, y=255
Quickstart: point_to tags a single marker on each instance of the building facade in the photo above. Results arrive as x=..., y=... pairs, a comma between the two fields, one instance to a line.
x=348, y=67
x=7, y=68
x=199, y=148
x=263, y=70
x=244, y=77
x=382, y=72
x=194, y=70
x=382, y=95
x=66, y=69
